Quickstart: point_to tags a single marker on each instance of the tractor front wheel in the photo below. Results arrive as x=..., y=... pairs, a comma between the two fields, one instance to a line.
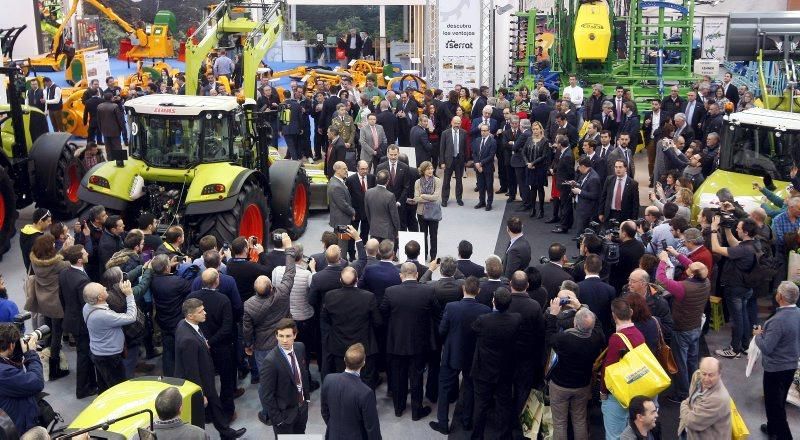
x=57, y=175
x=8, y=211
x=249, y=217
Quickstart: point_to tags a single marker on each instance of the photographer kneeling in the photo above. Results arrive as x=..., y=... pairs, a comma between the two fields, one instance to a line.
x=21, y=377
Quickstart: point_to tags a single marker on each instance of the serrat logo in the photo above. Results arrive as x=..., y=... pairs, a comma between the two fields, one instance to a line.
x=451, y=44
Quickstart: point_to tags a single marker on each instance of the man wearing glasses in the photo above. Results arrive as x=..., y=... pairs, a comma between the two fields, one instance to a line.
x=483, y=151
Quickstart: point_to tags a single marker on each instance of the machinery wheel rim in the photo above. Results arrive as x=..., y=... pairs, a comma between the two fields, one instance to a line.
x=252, y=223
x=73, y=182
x=299, y=206
x=2, y=211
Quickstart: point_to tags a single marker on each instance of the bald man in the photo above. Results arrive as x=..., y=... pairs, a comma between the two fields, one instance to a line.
x=706, y=413
x=351, y=316
x=218, y=330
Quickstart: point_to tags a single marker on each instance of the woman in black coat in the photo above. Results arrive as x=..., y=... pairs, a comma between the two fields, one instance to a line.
x=538, y=156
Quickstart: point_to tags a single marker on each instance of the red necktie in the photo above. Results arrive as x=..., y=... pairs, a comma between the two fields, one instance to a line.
x=363, y=185
x=618, y=202
x=392, y=174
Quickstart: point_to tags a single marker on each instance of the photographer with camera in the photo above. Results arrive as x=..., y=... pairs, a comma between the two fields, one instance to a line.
x=21, y=376
x=169, y=291
x=740, y=261
x=553, y=270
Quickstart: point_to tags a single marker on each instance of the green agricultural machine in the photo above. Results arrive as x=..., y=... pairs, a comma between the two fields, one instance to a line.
x=202, y=162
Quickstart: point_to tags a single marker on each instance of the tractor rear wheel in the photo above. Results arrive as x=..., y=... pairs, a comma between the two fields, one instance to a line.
x=8, y=211
x=249, y=217
x=290, y=191
x=57, y=175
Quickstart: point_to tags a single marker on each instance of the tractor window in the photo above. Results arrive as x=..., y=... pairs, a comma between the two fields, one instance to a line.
x=169, y=142
x=216, y=140
x=760, y=150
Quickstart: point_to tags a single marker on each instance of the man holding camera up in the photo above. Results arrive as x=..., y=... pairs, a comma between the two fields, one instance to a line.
x=21, y=377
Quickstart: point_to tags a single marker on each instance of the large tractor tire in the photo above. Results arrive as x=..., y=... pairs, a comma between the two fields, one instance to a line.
x=8, y=212
x=57, y=175
x=290, y=197
x=249, y=217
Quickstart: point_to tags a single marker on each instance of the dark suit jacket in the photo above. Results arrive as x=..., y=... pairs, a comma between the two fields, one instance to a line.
x=477, y=107
x=552, y=277
x=456, y=331
x=401, y=187
x=517, y=257
x=572, y=133
x=632, y=126
x=218, y=326
x=487, y=288
x=272, y=259
x=337, y=153
x=445, y=289
x=280, y=388
x=388, y=121
x=446, y=145
x=572, y=118
x=193, y=360
x=564, y=167
x=382, y=212
x=33, y=98
x=687, y=133
x=349, y=408
x=71, y=282
x=541, y=113
x=517, y=151
x=485, y=155
x=169, y=292
x=599, y=166
x=496, y=339
x=411, y=313
x=323, y=282
x=732, y=93
x=697, y=117
x=353, y=183
x=589, y=199
x=630, y=197
x=476, y=127
x=378, y=277
x=418, y=139
x=468, y=268
x=609, y=123
x=530, y=344
x=350, y=315
x=421, y=268
x=328, y=111
x=598, y=296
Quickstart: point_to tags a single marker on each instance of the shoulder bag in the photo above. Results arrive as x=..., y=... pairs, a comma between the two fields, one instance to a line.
x=664, y=354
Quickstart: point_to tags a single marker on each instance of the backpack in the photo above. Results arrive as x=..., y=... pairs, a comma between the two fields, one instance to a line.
x=764, y=268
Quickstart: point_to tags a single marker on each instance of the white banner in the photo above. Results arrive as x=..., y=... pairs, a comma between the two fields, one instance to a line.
x=97, y=65
x=459, y=43
x=714, y=43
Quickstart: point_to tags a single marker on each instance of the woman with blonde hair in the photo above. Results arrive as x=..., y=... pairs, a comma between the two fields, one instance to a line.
x=428, y=196
x=538, y=156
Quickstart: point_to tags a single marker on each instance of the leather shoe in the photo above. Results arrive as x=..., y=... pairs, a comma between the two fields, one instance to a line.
x=444, y=203
x=476, y=189
x=480, y=205
x=263, y=419
x=399, y=413
x=501, y=191
x=91, y=392
x=553, y=220
x=488, y=207
x=238, y=393
x=560, y=231
x=541, y=215
x=511, y=199
x=235, y=433
x=254, y=380
x=460, y=202
x=421, y=414
x=533, y=213
x=56, y=374
x=439, y=428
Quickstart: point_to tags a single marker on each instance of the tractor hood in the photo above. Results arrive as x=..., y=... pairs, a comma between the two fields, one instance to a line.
x=740, y=185
x=183, y=105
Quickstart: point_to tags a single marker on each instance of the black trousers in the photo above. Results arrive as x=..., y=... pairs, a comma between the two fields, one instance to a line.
x=524, y=189
x=404, y=368
x=776, y=387
x=319, y=142
x=306, y=333
x=566, y=207
x=448, y=388
x=431, y=231
x=537, y=191
x=298, y=426
x=86, y=377
x=556, y=202
x=110, y=371
x=408, y=215
x=56, y=332
x=511, y=178
x=485, y=182
x=486, y=394
x=293, y=146
x=222, y=356
x=364, y=234
x=457, y=167
x=525, y=375
x=502, y=171
x=432, y=382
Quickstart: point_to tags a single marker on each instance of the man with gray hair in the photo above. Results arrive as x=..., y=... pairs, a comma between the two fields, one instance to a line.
x=106, y=338
x=682, y=128
x=570, y=377
x=779, y=342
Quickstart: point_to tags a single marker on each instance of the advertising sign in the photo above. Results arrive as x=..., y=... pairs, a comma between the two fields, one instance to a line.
x=459, y=43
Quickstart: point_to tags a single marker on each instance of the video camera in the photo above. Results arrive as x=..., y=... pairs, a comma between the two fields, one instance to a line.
x=726, y=218
x=610, y=252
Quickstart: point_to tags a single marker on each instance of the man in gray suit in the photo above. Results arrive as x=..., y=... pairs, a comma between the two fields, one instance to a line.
x=340, y=204
x=373, y=142
x=621, y=152
x=381, y=208
x=452, y=151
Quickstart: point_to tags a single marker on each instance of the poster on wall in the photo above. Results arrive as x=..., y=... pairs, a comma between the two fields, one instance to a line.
x=697, y=29
x=459, y=44
x=97, y=65
x=714, y=30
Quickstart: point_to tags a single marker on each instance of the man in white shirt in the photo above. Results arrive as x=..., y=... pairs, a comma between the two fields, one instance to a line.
x=576, y=97
x=53, y=103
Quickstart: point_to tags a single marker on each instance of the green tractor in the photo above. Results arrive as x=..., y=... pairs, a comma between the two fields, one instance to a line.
x=35, y=166
x=203, y=163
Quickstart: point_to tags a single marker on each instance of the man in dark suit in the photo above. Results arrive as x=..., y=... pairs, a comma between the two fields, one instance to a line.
x=411, y=311
x=169, y=291
x=336, y=151
x=695, y=112
x=35, y=96
x=630, y=123
x=340, y=205
x=494, y=280
x=381, y=209
x=465, y=265
x=406, y=117
x=419, y=141
x=597, y=294
x=286, y=381
x=412, y=250
x=569, y=113
x=326, y=279
x=388, y=121
x=71, y=282
x=111, y=123
x=587, y=194
x=348, y=406
x=458, y=350
x=606, y=118
x=378, y=277
x=564, y=127
x=564, y=170
x=452, y=151
x=480, y=102
x=483, y=151
x=399, y=183
x=731, y=91
x=357, y=185
x=620, y=196
x=484, y=117
x=712, y=123
x=290, y=129
x=528, y=371
x=354, y=45
x=621, y=152
x=654, y=121
x=553, y=272
x=518, y=254
x=493, y=365
x=350, y=315
x=194, y=363
x=218, y=329
x=541, y=111
x=598, y=162
x=519, y=133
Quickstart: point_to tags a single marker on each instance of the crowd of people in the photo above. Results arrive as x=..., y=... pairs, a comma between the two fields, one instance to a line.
x=362, y=317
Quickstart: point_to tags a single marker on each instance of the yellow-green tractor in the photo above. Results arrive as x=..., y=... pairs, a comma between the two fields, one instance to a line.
x=203, y=163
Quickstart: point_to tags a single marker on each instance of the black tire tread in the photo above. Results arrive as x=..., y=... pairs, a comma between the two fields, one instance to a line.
x=225, y=225
x=286, y=221
x=56, y=200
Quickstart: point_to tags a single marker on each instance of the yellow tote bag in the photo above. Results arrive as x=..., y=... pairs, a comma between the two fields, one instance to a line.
x=738, y=427
x=638, y=373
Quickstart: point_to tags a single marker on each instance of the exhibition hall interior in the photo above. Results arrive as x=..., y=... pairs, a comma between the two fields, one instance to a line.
x=391, y=219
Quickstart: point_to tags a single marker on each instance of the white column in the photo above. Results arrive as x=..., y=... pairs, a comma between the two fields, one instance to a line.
x=501, y=45
x=293, y=13
x=405, y=22
x=382, y=31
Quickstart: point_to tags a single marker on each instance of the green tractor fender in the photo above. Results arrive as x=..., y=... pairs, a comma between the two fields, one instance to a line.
x=215, y=187
x=109, y=185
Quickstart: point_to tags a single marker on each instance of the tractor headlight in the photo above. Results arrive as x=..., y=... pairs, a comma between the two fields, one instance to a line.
x=214, y=188
x=100, y=181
